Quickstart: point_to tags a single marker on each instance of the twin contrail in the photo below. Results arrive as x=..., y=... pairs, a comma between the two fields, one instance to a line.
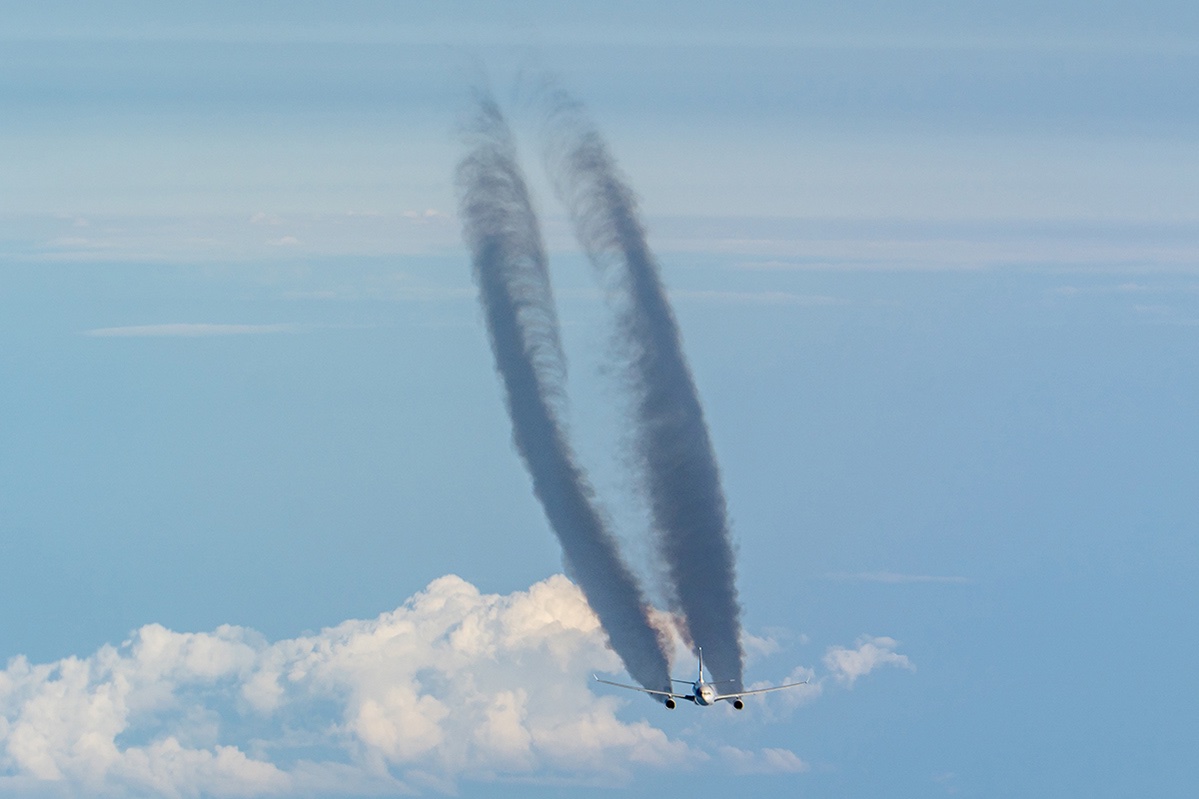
x=673, y=448
x=510, y=270
x=673, y=451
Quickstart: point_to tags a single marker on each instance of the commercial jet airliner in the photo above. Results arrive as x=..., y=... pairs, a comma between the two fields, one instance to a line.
x=703, y=693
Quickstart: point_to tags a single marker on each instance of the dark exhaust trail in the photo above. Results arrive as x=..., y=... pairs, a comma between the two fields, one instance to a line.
x=673, y=448
x=509, y=267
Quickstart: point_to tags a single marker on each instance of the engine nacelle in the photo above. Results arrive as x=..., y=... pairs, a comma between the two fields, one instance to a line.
x=738, y=704
x=670, y=704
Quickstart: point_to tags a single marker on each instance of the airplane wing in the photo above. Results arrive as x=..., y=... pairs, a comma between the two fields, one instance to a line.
x=667, y=694
x=758, y=691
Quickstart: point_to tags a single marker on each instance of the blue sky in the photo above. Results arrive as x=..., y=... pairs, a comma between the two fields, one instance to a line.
x=935, y=269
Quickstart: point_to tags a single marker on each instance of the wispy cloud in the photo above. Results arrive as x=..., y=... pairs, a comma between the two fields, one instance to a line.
x=756, y=297
x=767, y=761
x=263, y=218
x=225, y=238
x=1127, y=287
x=894, y=578
x=948, y=781
x=1153, y=310
x=187, y=330
x=865, y=244
x=847, y=665
x=425, y=217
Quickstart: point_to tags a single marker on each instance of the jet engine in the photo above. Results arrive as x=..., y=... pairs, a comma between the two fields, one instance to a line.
x=738, y=704
x=670, y=704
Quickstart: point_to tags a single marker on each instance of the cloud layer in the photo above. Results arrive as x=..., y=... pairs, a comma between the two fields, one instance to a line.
x=454, y=684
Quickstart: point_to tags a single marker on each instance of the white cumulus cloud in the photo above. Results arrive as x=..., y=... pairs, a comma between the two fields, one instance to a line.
x=453, y=685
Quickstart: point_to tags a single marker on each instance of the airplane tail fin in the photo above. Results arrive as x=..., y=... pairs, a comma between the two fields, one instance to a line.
x=701, y=664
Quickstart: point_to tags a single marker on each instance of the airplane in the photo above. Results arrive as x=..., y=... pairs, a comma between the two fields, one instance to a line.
x=703, y=693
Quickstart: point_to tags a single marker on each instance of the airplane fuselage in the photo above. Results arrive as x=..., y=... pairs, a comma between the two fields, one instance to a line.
x=703, y=693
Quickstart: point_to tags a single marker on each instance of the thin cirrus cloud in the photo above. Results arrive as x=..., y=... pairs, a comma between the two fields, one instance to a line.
x=757, y=297
x=454, y=684
x=187, y=330
x=896, y=578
